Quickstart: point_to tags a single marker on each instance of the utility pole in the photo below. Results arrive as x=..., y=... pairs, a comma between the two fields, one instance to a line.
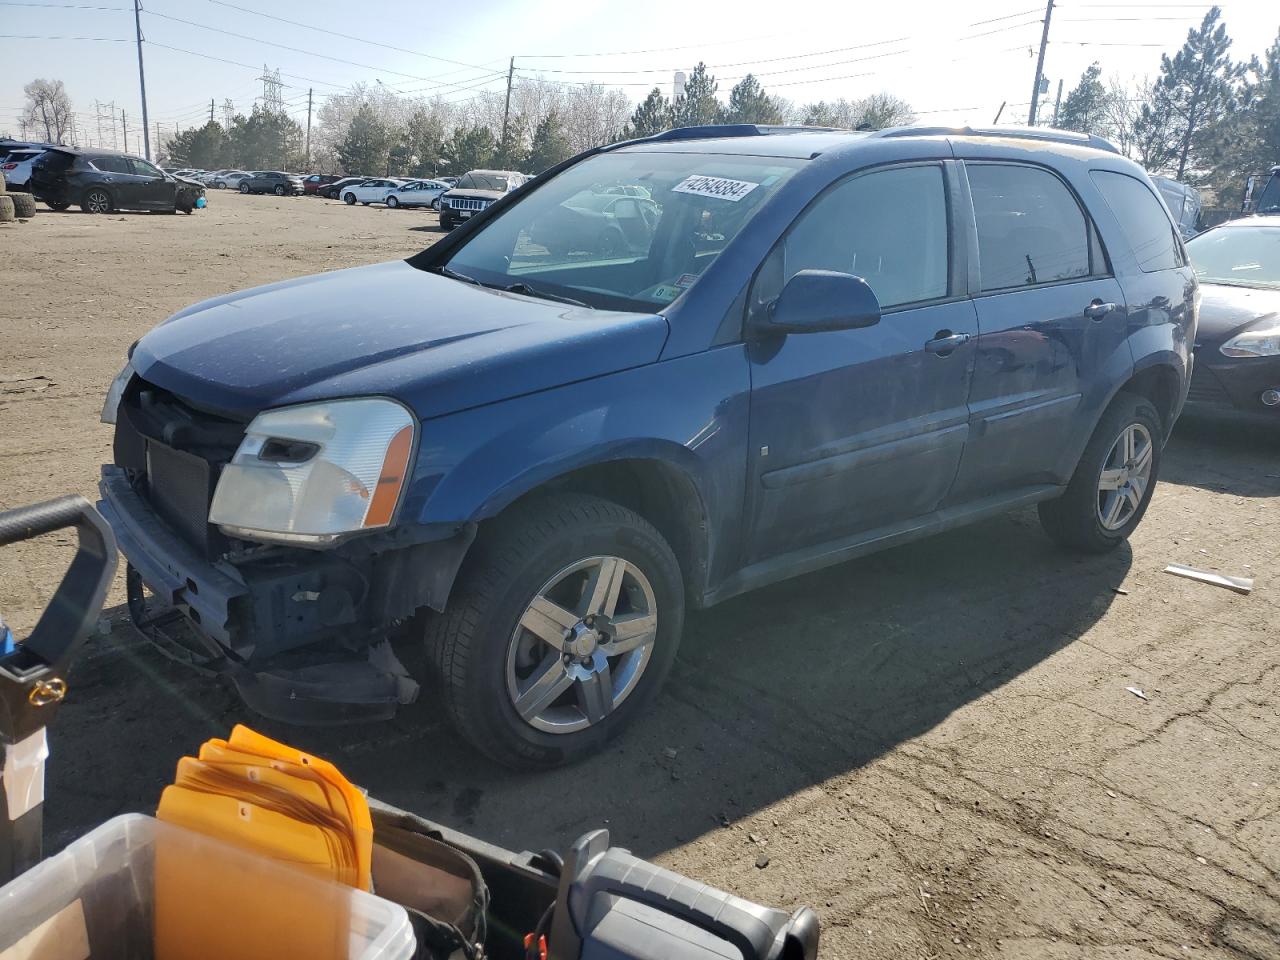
x=142, y=81
x=307, y=163
x=506, y=111
x=1057, y=104
x=1035, y=88
x=124, y=128
x=211, y=109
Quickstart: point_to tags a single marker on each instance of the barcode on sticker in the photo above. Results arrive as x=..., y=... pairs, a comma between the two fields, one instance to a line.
x=718, y=187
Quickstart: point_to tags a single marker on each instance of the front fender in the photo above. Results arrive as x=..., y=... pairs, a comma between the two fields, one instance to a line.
x=689, y=413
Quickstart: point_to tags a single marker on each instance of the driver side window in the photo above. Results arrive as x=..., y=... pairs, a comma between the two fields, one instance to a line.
x=888, y=227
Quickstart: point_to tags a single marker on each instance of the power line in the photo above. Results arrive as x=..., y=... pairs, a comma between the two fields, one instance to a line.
x=29, y=36
x=61, y=6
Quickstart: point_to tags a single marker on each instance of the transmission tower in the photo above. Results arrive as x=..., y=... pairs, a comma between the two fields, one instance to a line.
x=228, y=113
x=272, y=90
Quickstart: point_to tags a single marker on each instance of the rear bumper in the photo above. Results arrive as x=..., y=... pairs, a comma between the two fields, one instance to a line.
x=308, y=682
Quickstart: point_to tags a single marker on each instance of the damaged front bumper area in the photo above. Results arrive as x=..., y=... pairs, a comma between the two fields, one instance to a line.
x=302, y=634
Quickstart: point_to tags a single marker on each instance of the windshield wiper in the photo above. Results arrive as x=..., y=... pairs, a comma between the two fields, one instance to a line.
x=455, y=275
x=521, y=287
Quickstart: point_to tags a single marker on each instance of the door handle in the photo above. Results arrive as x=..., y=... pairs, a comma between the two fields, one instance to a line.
x=944, y=342
x=1097, y=309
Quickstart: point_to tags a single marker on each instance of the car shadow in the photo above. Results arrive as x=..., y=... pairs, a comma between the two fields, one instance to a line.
x=429, y=228
x=772, y=693
x=1224, y=452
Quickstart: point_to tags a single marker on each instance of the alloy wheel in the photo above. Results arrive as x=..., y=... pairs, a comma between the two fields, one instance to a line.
x=582, y=645
x=98, y=201
x=1125, y=476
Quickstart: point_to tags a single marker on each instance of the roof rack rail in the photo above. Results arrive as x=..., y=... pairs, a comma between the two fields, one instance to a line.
x=710, y=130
x=1050, y=134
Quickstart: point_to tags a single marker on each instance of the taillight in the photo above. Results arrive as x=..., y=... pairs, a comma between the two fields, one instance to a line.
x=9, y=166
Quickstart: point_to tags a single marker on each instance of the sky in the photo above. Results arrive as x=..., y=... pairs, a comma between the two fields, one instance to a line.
x=953, y=62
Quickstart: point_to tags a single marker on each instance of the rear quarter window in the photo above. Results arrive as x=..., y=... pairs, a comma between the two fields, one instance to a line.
x=1144, y=221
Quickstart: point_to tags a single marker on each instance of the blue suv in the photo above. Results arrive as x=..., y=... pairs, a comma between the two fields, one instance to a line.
x=664, y=373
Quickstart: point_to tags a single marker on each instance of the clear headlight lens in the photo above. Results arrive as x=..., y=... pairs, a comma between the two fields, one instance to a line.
x=115, y=392
x=1258, y=341
x=314, y=473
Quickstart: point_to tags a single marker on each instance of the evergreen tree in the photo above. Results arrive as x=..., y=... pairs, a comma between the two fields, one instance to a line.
x=1194, y=90
x=550, y=145
x=265, y=140
x=1084, y=109
x=204, y=147
x=1246, y=140
x=698, y=105
x=366, y=147
x=425, y=137
x=470, y=148
x=652, y=116
x=748, y=103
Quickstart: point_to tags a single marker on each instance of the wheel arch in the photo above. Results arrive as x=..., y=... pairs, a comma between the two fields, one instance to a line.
x=1161, y=384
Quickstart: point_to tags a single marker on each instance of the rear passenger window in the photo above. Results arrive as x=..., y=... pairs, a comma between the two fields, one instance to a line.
x=1143, y=220
x=888, y=227
x=1031, y=230
x=112, y=164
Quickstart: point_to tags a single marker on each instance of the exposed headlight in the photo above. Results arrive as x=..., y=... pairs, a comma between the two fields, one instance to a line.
x=1258, y=341
x=315, y=473
x=114, y=392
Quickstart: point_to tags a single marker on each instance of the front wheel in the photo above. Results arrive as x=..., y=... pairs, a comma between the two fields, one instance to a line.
x=1114, y=480
x=244, y=188
x=349, y=199
x=435, y=204
x=562, y=627
x=392, y=202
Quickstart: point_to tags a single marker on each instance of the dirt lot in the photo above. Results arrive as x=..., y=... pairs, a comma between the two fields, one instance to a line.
x=934, y=747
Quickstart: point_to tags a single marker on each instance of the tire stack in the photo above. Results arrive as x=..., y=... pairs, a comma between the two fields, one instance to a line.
x=15, y=206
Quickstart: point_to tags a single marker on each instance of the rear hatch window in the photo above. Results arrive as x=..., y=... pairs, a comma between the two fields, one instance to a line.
x=51, y=168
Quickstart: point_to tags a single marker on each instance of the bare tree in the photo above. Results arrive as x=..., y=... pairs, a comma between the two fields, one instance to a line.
x=49, y=108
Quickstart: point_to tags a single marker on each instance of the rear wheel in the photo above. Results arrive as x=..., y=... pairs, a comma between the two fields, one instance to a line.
x=96, y=200
x=279, y=191
x=562, y=627
x=1114, y=480
x=58, y=205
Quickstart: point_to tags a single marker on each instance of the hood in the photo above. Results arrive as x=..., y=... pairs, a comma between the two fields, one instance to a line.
x=438, y=345
x=476, y=194
x=188, y=182
x=1226, y=309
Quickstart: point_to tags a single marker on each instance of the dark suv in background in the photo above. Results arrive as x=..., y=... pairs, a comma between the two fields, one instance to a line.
x=532, y=456
x=272, y=181
x=101, y=181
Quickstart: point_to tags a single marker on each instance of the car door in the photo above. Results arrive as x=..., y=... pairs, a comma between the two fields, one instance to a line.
x=117, y=176
x=1049, y=314
x=854, y=430
x=155, y=191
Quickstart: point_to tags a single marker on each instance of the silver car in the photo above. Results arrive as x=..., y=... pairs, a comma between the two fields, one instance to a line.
x=417, y=193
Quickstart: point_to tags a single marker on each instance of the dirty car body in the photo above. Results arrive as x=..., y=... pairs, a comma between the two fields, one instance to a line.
x=729, y=400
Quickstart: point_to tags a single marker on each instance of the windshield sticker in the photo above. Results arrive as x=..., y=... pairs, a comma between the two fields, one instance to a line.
x=687, y=280
x=666, y=293
x=718, y=187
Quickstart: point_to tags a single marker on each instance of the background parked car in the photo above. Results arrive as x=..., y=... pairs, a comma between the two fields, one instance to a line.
x=16, y=165
x=370, y=191
x=417, y=193
x=474, y=191
x=313, y=183
x=1183, y=202
x=1238, y=340
x=231, y=180
x=333, y=190
x=103, y=180
x=271, y=181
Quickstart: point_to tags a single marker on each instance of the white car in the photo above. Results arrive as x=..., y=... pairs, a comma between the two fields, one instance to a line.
x=16, y=167
x=230, y=180
x=417, y=193
x=371, y=191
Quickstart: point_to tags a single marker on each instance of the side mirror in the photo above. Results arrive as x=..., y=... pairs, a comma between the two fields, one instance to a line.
x=817, y=300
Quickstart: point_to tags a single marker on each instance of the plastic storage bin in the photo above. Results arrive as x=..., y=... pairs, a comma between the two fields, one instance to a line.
x=138, y=889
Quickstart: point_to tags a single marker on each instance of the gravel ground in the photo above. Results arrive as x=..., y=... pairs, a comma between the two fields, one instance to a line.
x=934, y=747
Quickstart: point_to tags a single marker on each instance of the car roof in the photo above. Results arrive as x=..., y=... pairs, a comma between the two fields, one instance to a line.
x=809, y=142
x=1257, y=220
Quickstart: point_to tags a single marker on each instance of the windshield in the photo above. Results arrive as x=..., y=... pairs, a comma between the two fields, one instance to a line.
x=1248, y=256
x=1269, y=202
x=482, y=181
x=628, y=230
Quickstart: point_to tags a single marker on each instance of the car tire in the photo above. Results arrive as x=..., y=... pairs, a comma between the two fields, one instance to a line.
x=219, y=185
x=244, y=188
x=57, y=205
x=349, y=199
x=279, y=191
x=446, y=223
x=392, y=202
x=1113, y=483
x=478, y=648
x=24, y=205
x=97, y=200
x=435, y=204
